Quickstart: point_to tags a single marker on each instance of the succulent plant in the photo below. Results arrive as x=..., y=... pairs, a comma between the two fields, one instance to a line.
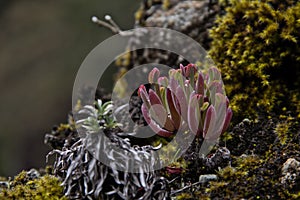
x=98, y=117
x=187, y=98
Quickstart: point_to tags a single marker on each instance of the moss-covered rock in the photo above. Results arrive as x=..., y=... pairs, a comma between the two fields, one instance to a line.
x=259, y=171
x=28, y=186
x=192, y=18
x=256, y=45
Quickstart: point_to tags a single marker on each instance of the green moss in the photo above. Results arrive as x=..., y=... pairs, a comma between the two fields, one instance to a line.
x=184, y=196
x=247, y=180
x=256, y=46
x=42, y=188
x=248, y=163
x=282, y=131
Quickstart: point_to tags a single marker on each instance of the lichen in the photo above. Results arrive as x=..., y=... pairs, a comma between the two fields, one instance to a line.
x=192, y=18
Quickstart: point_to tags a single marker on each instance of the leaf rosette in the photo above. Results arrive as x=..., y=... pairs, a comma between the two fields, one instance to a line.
x=187, y=98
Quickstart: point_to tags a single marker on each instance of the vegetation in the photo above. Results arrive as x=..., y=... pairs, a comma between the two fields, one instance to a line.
x=25, y=187
x=256, y=45
x=187, y=96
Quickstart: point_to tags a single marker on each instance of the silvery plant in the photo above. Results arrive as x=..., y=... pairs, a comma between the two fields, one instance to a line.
x=86, y=177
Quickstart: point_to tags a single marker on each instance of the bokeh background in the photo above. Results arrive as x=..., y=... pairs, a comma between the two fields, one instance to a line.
x=42, y=44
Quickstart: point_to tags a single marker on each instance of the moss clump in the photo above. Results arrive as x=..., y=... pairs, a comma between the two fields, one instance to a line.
x=282, y=130
x=256, y=45
x=184, y=196
x=25, y=188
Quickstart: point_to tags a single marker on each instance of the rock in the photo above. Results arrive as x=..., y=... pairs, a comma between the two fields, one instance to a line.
x=207, y=178
x=33, y=174
x=290, y=173
x=4, y=185
x=220, y=159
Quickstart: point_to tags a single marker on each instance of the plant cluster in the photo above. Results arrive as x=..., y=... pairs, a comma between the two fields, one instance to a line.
x=256, y=45
x=98, y=116
x=187, y=98
x=85, y=177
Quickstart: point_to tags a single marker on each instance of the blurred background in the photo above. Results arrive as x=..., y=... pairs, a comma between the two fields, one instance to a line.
x=42, y=44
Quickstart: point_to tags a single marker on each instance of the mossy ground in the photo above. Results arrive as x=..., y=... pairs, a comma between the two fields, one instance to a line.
x=24, y=187
x=258, y=154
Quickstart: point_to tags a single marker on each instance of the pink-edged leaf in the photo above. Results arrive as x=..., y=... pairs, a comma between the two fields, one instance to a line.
x=214, y=74
x=163, y=81
x=190, y=71
x=163, y=96
x=172, y=73
x=220, y=106
x=182, y=68
x=173, y=84
x=142, y=92
x=227, y=102
x=200, y=84
x=153, y=75
x=158, y=112
x=179, y=77
x=176, y=103
x=146, y=114
x=173, y=111
x=227, y=120
x=155, y=127
x=188, y=89
x=157, y=109
x=202, y=109
x=214, y=87
x=194, y=117
x=154, y=98
x=182, y=102
x=209, y=123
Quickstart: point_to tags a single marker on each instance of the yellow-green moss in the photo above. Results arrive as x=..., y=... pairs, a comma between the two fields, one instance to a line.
x=282, y=131
x=256, y=46
x=44, y=188
x=244, y=181
x=166, y=4
x=183, y=196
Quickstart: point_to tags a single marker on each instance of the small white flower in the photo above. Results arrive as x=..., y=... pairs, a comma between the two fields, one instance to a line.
x=94, y=19
x=107, y=17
